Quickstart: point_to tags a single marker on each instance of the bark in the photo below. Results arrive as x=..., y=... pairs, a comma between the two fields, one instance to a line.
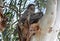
x=0, y=13
x=2, y=17
x=49, y=24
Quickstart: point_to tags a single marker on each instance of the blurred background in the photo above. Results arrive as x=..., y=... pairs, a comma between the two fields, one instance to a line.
x=13, y=9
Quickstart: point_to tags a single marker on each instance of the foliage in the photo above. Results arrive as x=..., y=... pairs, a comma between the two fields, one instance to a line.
x=12, y=10
x=41, y=4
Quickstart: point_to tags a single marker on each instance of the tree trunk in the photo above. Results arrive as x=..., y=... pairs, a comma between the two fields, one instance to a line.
x=1, y=16
x=50, y=22
x=0, y=13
